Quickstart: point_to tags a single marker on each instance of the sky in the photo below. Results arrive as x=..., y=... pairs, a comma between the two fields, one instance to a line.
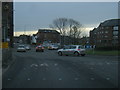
x=31, y=16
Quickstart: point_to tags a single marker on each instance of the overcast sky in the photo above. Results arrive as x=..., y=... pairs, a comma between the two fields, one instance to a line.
x=34, y=15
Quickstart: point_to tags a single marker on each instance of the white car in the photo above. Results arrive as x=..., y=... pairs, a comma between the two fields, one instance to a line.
x=28, y=47
x=53, y=47
x=72, y=50
x=21, y=48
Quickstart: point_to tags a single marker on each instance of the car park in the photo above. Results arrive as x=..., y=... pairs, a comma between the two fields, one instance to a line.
x=40, y=48
x=21, y=48
x=72, y=50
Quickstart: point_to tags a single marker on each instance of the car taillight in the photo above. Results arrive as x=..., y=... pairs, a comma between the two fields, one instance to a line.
x=78, y=49
x=42, y=47
x=36, y=47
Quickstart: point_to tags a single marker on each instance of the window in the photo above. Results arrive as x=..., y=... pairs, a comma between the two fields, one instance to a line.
x=107, y=27
x=81, y=47
x=115, y=33
x=115, y=37
x=106, y=31
x=72, y=47
x=66, y=47
x=106, y=36
x=115, y=28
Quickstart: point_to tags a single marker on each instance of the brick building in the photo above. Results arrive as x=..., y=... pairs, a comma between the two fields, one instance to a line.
x=25, y=39
x=106, y=34
x=47, y=35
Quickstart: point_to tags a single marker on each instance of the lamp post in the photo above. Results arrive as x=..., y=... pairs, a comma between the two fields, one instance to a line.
x=6, y=26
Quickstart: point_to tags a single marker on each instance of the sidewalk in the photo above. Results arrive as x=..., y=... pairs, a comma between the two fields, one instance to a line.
x=0, y=62
x=11, y=62
x=6, y=67
x=3, y=69
x=0, y=68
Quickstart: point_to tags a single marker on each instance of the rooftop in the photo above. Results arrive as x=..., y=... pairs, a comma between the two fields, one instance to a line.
x=48, y=31
x=111, y=22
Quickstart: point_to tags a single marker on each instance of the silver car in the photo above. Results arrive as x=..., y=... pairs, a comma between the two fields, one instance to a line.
x=72, y=50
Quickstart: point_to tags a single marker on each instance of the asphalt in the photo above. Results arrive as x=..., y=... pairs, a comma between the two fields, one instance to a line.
x=48, y=70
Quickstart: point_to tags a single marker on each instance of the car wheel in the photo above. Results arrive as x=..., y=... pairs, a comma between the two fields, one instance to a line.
x=82, y=54
x=76, y=54
x=60, y=53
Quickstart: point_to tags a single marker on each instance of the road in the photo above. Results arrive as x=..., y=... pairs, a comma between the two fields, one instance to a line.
x=48, y=70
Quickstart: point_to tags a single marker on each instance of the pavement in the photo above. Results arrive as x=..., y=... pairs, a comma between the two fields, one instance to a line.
x=11, y=62
x=0, y=68
x=4, y=69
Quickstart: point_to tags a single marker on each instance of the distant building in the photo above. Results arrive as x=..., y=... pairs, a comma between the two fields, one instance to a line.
x=48, y=36
x=25, y=39
x=93, y=36
x=34, y=39
x=106, y=34
x=16, y=39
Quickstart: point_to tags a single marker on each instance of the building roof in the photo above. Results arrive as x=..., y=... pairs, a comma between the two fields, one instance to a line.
x=95, y=30
x=107, y=23
x=48, y=31
x=111, y=22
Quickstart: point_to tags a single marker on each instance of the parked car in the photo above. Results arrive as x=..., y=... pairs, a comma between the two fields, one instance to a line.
x=21, y=48
x=53, y=47
x=40, y=48
x=72, y=50
x=28, y=47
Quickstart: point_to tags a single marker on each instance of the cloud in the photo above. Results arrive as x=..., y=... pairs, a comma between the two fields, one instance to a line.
x=17, y=33
x=66, y=0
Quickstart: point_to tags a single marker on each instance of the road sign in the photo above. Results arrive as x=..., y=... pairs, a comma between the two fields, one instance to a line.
x=4, y=45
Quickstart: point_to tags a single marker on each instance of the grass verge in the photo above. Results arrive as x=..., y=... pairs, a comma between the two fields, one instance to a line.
x=96, y=52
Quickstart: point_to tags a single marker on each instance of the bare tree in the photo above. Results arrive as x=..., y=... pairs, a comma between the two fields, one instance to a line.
x=67, y=27
x=74, y=30
x=60, y=24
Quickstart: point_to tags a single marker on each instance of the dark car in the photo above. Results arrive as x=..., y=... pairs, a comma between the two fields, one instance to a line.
x=40, y=48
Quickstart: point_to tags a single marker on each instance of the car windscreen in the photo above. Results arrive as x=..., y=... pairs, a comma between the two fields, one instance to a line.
x=72, y=47
x=66, y=47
